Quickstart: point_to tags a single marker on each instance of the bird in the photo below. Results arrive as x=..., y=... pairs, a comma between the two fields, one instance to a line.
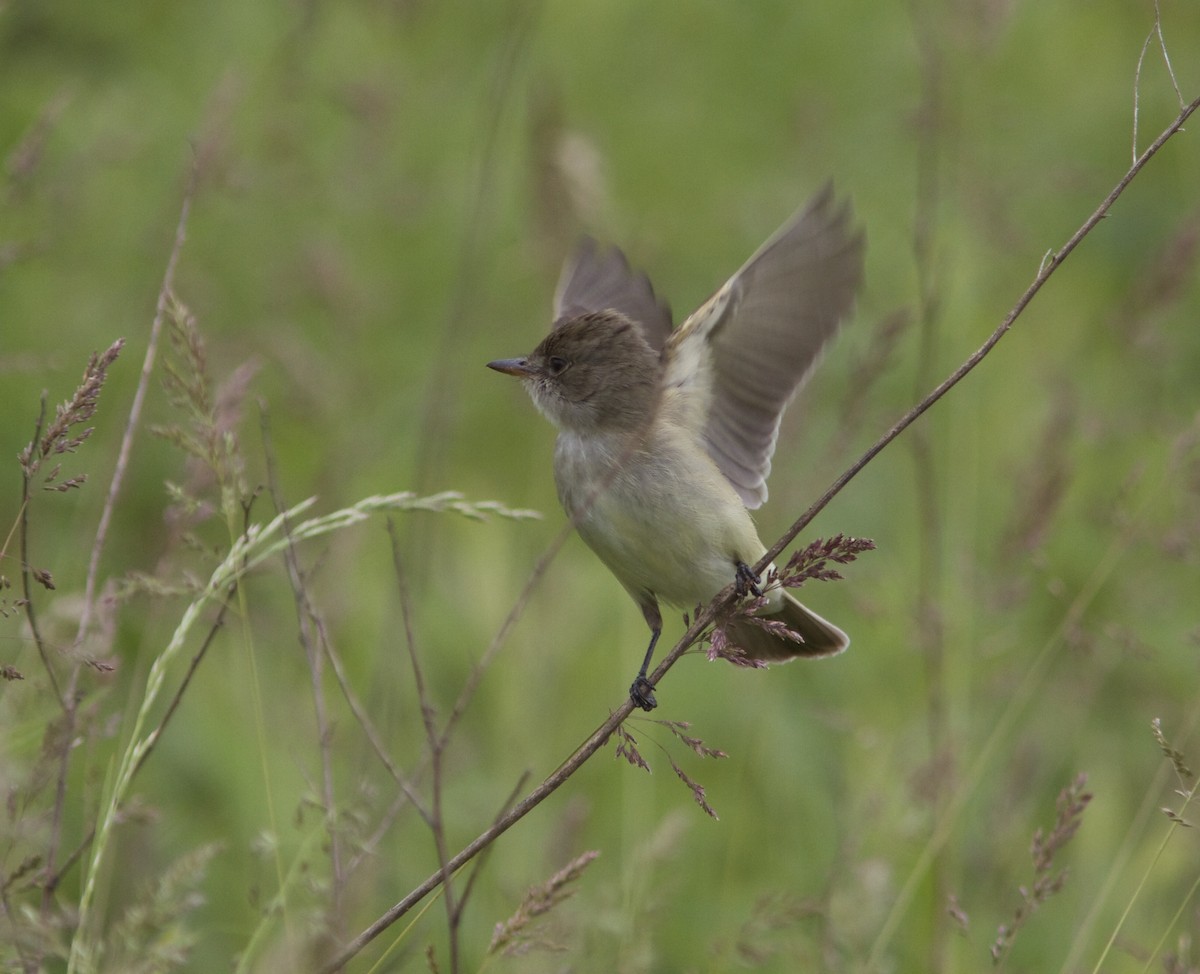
x=665, y=435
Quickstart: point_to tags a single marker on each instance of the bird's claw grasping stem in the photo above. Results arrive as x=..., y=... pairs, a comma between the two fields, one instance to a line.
x=642, y=693
x=746, y=581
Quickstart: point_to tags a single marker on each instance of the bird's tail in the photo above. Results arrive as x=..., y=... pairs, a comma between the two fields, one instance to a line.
x=821, y=638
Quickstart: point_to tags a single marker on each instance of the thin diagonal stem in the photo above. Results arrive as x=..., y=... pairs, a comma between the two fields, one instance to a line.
x=598, y=737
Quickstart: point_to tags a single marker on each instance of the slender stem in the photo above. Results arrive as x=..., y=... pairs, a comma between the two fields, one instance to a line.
x=599, y=736
x=543, y=791
x=310, y=632
x=1049, y=265
x=26, y=571
x=110, y=501
x=135, y=410
x=930, y=569
x=52, y=881
x=437, y=747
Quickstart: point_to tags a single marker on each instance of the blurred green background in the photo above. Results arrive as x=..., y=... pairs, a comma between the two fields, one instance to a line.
x=385, y=192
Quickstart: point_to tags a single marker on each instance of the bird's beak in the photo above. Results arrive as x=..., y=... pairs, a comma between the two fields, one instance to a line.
x=519, y=367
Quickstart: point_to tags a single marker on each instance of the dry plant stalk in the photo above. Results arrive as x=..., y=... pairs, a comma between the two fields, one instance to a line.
x=512, y=937
x=1072, y=802
x=810, y=563
x=725, y=599
x=627, y=748
x=1172, y=754
x=62, y=435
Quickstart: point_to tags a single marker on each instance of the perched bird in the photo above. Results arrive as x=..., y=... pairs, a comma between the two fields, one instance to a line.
x=665, y=436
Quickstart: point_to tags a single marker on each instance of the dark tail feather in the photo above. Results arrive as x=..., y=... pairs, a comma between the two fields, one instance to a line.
x=821, y=638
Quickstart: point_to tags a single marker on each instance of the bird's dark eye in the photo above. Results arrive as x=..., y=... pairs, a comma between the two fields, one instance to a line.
x=556, y=364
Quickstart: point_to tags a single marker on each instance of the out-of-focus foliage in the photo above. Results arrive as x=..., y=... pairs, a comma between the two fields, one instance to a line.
x=384, y=192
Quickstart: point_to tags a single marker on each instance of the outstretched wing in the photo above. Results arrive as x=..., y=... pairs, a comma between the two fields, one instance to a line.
x=743, y=354
x=599, y=280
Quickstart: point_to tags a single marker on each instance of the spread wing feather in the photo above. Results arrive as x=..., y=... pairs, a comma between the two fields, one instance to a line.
x=743, y=354
x=599, y=280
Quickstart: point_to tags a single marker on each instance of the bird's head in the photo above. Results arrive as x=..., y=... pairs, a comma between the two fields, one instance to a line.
x=593, y=373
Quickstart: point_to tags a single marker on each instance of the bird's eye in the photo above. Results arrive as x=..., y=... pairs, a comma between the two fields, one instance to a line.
x=556, y=365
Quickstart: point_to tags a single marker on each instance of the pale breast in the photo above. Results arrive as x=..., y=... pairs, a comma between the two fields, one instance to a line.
x=660, y=515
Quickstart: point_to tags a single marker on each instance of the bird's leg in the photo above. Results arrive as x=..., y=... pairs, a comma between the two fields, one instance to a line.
x=746, y=581
x=642, y=690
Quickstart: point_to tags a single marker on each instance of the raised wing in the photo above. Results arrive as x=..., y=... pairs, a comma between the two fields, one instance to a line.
x=743, y=354
x=596, y=280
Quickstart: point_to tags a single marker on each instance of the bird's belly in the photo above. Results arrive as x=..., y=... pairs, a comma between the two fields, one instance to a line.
x=672, y=527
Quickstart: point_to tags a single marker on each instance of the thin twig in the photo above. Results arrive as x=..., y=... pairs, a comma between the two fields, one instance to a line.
x=930, y=569
x=135, y=410
x=218, y=623
x=471, y=684
x=437, y=744
x=114, y=490
x=1137, y=72
x=306, y=620
x=589, y=747
x=477, y=868
x=27, y=571
x=110, y=501
x=374, y=738
x=1048, y=267
x=366, y=848
x=704, y=618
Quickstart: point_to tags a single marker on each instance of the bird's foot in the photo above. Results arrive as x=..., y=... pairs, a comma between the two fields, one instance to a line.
x=746, y=581
x=642, y=693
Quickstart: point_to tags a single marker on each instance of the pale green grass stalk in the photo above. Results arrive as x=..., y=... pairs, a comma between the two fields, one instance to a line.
x=1034, y=677
x=260, y=737
x=1123, y=855
x=257, y=544
x=1174, y=920
x=1174, y=826
x=1116, y=868
x=400, y=937
x=295, y=874
x=1038, y=667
